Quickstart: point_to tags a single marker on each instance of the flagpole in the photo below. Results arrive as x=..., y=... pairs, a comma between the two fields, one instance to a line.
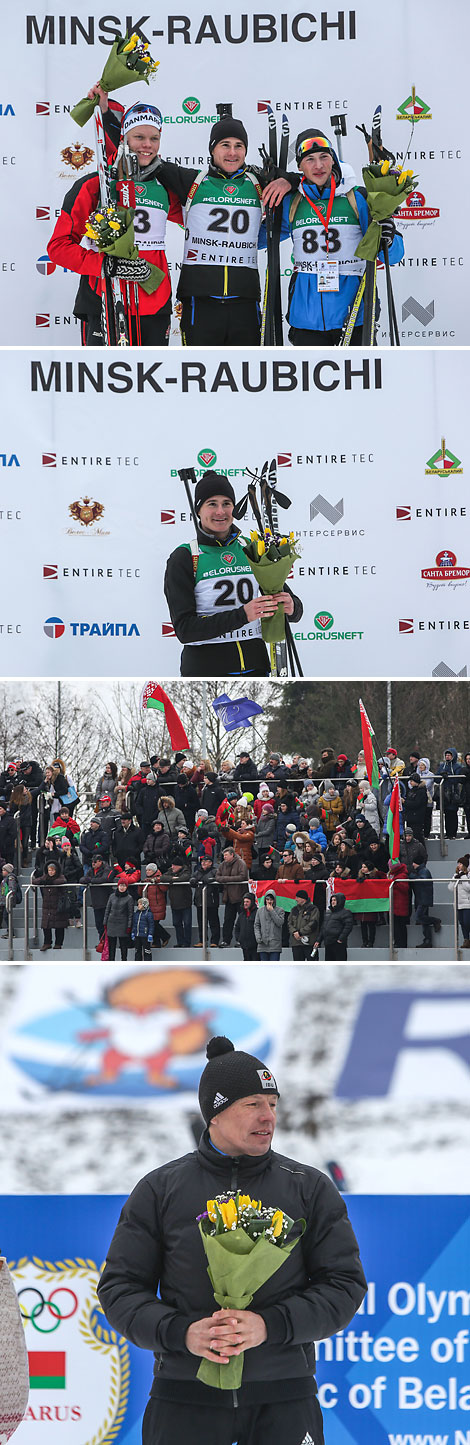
x=389, y=714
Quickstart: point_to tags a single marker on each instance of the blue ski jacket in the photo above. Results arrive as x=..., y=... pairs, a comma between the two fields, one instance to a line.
x=309, y=309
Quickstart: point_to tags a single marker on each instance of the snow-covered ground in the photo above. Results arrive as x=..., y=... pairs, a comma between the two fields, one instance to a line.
x=412, y=1140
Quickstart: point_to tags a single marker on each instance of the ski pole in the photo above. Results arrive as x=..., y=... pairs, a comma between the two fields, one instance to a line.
x=187, y=475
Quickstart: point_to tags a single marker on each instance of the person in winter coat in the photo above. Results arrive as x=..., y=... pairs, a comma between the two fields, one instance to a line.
x=462, y=878
x=378, y=856
x=304, y=926
x=244, y=932
x=245, y=770
x=423, y=894
x=341, y=772
x=186, y=800
x=147, y=803
x=156, y=898
x=363, y=835
x=93, y=839
x=171, y=817
x=232, y=872
x=425, y=775
x=54, y=905
x=99, y=874
x=465, y=793
x=269, y=923
x=20, y=802
x=118, y=917
x=7, y=833
x=412, y=851
x=177, y=878
x=336, y=926
x=331, y=809
x=128, y=841
x=265, y=831
x=142, y=930
x=416, y=806
x=265, y=795
x=289, y=870
x=8, y=884
x=242, y=839
x=323, y=768
x=107, y=783
x=366, y=803
x=157, y=845
x=266, y=867
x=317, y=834
x=287, y=813
x=213, y=792
x=150, y=1295
x=72, y=869
x=31, y=774
x=108, y=818
x=347, y=861
x=204, y=877
x=401, y=903
x=452, y=772
x=275, y=770
x=359, y=768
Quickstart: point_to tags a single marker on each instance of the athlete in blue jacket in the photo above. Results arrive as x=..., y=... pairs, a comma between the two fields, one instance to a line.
x=326, y=223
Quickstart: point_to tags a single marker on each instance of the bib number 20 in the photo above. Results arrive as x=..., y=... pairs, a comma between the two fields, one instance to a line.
x=224, y=219
x=233, y=594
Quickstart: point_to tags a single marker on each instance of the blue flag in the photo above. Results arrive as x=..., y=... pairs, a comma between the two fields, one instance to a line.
x=235, y=713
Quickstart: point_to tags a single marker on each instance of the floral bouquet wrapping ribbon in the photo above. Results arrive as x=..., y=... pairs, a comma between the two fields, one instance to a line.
x=271, y=557
x=386, y=188
x=112, y=230
x=245, y=1244
x=128, y=61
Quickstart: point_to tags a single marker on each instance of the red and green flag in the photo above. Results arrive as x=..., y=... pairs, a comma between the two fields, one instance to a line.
x=286, y=892
x=369, y=754
x=393, y=823
x=154, y=697
x=370, y=896
x=46, y=1369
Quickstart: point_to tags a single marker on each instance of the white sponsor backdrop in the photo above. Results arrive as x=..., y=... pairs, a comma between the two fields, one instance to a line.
x=336, y=61
x=347, y=450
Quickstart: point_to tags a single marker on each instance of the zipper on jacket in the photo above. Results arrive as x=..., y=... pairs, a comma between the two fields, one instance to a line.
x=225, y=280
x=234, y=1175
x=235, y=1399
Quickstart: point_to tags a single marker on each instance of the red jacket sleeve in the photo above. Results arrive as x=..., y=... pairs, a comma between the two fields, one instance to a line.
x=64, y=246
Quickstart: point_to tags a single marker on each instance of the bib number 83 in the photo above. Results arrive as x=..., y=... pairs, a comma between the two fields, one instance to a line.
x=233, y=594
x=310, y=241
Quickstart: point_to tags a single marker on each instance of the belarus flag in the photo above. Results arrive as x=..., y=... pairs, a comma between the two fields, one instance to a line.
x=153, y=696
x=371, y=896
x=286, y=892
x=46, y=1369
x=393, y=823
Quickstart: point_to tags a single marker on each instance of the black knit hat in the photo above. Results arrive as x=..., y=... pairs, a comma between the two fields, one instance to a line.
x=224, y=129
x=230, y=1075
x=212, y=485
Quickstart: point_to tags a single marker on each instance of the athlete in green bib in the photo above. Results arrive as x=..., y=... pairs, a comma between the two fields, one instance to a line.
x=213, y=598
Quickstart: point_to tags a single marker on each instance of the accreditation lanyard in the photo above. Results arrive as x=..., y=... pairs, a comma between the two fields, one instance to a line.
x=325, y=221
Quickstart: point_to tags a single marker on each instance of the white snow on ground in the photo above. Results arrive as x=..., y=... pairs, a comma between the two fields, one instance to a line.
x=391, y=1145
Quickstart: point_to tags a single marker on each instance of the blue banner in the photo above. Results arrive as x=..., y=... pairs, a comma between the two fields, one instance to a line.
x=398, y=1375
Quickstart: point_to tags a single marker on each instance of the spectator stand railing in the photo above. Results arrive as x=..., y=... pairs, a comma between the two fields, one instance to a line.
x=392, y=950
x=9, y=929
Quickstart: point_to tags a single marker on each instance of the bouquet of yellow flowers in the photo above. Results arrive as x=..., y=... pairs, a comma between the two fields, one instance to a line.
x=387, y=187
x=245, y=1244
x=128, y=61
x=112, y=228
x=271, y=556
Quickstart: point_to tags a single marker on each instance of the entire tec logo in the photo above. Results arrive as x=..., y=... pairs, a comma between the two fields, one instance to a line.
x=434, y=624
x=446, y=569
x=324, y=622
x=443, y=462
x=168, y=630
x=414, y=109
x=425, y=514
x=43, y=213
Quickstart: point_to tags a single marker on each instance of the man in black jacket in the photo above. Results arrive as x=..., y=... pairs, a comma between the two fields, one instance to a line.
x=156, y=1244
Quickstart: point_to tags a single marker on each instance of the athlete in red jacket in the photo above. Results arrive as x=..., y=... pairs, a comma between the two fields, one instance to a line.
x=69, y=247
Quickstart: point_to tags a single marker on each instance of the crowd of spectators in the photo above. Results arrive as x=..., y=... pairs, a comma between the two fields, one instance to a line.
x=156, y=838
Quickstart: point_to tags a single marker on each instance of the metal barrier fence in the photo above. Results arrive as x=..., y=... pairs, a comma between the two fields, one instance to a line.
x=31, y=936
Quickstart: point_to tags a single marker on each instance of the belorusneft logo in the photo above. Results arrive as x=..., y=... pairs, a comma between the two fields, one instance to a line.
x=55, y=627
x=190, y=114
x=434, y=624
x=443, y=462
x=446, y=570
x=323, y=622
x=207, y=459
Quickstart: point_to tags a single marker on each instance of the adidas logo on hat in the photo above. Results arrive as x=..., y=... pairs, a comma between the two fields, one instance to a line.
x=219, y=1100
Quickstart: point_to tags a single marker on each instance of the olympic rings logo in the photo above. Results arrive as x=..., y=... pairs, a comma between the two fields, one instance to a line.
x=49, y=1304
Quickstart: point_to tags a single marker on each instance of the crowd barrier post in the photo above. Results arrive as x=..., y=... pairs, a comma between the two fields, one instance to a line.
x=392, y=952
x=456, y=920
x=27, y=951
x=442, y=835
x=9, y=908
x=205, y=941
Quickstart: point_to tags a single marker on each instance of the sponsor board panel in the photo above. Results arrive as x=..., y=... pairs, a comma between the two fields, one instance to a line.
x=57, y=54
x=377, y=486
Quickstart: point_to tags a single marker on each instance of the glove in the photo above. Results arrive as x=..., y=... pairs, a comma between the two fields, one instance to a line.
x=126, y=270
x=388, y=233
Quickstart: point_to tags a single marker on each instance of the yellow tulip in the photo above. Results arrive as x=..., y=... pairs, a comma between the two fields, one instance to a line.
x=131, y=44
x=114, y=225
x=261, y=548
x=211, y=1210
x=98, y=216
x=92, y=235
x=278, y=1219
x=228, y=1211
x=256, y=1203
x=244, y=1201
x=402, y=177
x=385, y=167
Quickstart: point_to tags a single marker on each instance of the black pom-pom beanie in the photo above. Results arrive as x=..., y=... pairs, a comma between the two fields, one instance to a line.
x=229, y=1075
